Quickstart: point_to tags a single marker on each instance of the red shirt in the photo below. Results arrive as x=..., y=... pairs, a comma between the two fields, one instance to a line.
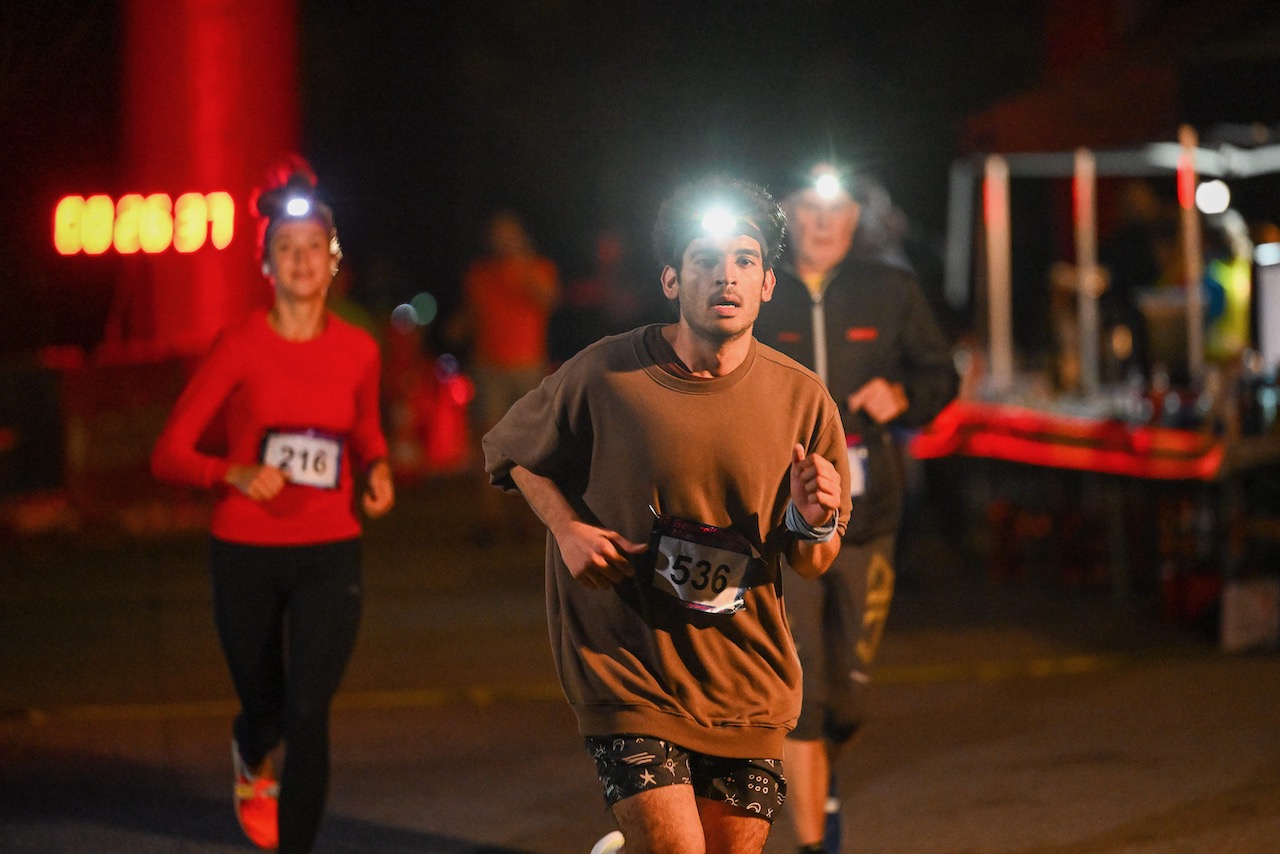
x=261, y=381
x=511, y=300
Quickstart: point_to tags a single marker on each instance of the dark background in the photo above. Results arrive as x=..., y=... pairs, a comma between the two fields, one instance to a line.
x=586, y=114
x=420, y=117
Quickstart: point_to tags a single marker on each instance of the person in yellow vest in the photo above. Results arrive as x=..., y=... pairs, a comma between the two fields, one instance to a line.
x=1228, y=280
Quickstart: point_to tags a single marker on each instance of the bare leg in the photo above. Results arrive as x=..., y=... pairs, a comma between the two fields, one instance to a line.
x=661, y=821
x=730, y=831
x=808, y=775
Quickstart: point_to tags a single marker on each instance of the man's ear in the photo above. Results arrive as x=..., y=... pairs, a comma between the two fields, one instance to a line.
x=766, y=291
x=670, y=283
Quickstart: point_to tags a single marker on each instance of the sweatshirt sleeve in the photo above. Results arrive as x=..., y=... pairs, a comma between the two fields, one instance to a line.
x=831, y=444
x=537, y=433
x=175, y=457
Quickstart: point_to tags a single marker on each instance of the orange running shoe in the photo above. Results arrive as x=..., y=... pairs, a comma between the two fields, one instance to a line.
x=256, y=799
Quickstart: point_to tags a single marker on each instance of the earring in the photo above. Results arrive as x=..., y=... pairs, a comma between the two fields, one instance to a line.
x=266, y=270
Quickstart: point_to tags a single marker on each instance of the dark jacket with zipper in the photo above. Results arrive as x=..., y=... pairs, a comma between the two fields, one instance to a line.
x=877, y=324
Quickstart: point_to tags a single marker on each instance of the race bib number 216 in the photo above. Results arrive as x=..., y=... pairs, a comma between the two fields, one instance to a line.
x=307, y=457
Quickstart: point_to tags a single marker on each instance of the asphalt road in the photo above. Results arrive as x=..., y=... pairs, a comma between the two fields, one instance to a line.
x=1030, y=717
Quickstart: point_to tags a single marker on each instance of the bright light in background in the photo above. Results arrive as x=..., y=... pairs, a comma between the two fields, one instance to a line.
x=95, y=224
x=1186, y=175
x=718, y=222
x=827, y=185
x=190, y=216
x=155, y=226
x=404, y=318
x=424, y=306
x=137, y=223
x=1266, y=254
x=1213, y=197
x=126, y=239
x=419, y=311
x=222, y=218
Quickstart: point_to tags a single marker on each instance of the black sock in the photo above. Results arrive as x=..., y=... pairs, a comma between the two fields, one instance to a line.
x=815, y=848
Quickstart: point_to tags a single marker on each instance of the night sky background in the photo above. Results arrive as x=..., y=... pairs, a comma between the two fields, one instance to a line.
x=585, y=114
x=420, y=117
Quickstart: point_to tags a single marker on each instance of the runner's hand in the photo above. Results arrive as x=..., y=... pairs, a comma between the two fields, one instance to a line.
x=597, y=557
x=815, y=486
x=881, y=399
x=260, y=483
x=379, y=492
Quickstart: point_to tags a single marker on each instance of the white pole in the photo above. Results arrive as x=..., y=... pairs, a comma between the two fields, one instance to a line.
x=995, y=212
x=1086, y=227
x=1192, y=253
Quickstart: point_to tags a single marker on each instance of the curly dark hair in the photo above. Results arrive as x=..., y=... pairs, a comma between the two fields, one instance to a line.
x=680, y=217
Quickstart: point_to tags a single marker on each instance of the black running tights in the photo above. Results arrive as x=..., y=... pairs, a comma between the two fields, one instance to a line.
x=287, y=618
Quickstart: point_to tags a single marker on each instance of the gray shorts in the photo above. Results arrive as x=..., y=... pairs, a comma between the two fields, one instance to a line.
x=630, y=764
x=837, y=621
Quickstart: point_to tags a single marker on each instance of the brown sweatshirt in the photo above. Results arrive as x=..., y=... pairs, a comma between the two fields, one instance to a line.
x=621, y=429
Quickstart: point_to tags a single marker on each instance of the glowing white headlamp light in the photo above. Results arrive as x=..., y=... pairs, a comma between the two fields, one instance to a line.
x=718, y=222
x=297, y=206
x=828, y=185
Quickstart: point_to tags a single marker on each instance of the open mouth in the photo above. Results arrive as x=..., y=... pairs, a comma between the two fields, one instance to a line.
x=725, y=305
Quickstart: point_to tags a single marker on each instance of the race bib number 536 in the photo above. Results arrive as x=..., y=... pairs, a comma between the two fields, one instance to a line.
x=307, y=457
x=703, y=566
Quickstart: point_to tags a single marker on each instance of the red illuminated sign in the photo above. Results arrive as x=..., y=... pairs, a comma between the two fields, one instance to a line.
x=148, y=224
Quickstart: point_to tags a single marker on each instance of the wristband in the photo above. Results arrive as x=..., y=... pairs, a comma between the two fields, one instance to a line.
x=799, y=526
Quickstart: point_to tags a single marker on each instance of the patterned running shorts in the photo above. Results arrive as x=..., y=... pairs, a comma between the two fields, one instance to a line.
x=630, y=764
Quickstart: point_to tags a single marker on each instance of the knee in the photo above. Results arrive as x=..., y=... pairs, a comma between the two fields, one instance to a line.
x=306, y=720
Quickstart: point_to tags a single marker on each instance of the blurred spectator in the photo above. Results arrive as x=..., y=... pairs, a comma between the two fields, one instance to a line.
x=1228, y=282
x=508, y=297
x=427, y=399
x=1141, y=253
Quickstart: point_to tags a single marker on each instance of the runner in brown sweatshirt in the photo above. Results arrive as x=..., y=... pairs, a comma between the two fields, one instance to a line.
x=674, y=466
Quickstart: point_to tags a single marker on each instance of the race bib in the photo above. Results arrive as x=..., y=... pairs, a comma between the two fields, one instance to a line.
x=307, y=457
x=703, y=566
x=857, y=466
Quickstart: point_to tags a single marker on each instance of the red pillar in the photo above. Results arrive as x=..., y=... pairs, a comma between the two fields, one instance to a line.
x=211, y=100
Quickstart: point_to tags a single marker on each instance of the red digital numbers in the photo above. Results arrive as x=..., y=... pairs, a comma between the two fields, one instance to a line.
x=137, y=223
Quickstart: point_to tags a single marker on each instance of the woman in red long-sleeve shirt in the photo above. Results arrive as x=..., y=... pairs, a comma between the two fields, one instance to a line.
x=298, y=387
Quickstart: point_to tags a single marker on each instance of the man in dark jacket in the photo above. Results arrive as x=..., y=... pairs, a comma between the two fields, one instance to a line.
x=864, y=326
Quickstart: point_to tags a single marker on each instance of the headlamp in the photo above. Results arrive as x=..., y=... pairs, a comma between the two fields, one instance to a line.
x=718, y=222
x=297, y=206
x=828, y=185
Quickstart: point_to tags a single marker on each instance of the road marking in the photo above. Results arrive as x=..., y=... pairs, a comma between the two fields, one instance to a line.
x=995, y=671
x=486, y=695
x=474, y=695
